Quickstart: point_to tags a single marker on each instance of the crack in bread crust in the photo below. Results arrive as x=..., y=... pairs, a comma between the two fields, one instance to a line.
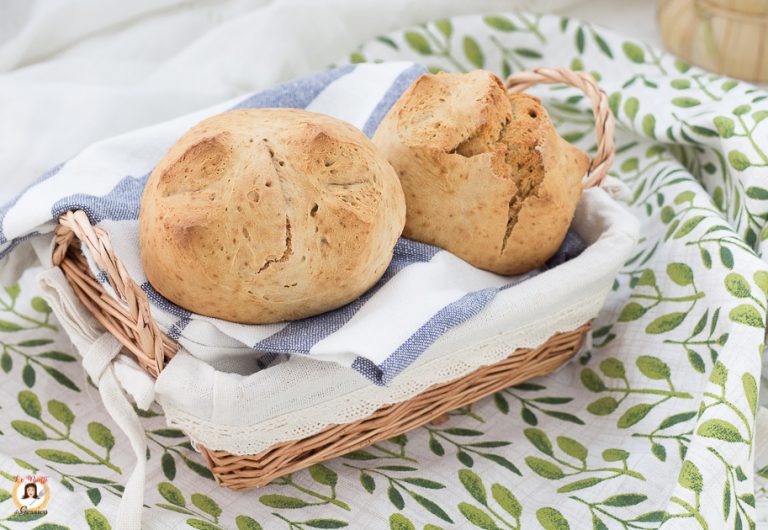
x=286, y=253
x=288, y=250
x=527, y=182
x=527, y=187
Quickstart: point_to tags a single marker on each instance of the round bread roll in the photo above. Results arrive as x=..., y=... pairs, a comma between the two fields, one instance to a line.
x=259, y=216
x=484, y=172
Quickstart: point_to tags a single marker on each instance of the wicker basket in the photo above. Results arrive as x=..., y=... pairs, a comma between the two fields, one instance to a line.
x=129, y=320
x=725, y=36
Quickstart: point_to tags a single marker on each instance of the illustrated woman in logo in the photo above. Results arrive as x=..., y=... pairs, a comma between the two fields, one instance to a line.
x=31, y=499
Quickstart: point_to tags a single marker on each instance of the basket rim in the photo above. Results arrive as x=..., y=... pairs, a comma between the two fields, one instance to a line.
x=127, y=317
x=239, y=472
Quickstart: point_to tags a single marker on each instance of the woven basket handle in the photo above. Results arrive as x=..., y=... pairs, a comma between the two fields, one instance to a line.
x=604, y=121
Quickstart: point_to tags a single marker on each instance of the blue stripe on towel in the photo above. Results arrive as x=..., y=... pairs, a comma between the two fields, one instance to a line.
x=295, y=94
x=120, y=204
x=163, y=303
x=16, y=242
x=399, y=85
x=451, y=316
x=4, y=209
x=174, y=332
x=300, y=336
x=447, y=318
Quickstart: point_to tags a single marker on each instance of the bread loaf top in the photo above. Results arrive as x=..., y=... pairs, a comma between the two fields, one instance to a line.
x=263, y=215
x=484, y=172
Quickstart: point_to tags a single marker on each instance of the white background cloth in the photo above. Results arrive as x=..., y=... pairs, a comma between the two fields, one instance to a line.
x=75, y=71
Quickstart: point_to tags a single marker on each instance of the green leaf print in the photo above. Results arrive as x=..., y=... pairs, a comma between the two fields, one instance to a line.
x=649, y=125
x=500, y=23
x=602, y=45
x=680, y=84
x=96, y=521
x=653, y=367
x=282, y=501
x=540, y=440
x=61, y=412
x=665, y=323
x=738, y=160
x=615, y=455
x=168, y=465
x=749, y=385
x=206, y=504
x=30, y=403
x=633, y=52
x=580, y=40
x=592, y=381
x=28, y=375
x=632, y=311
x=444, y=26
x=243, y=522
x=680, y=273
x=688, y=226
x=418, y=42
x=634, y=415
x=725, y=126
x=629, y=499
x=572, y=448
x=9, y=326
x=506, y=500
x=474, y=485
x=323, y=475
x=759, y=194
x=613, y=367
x=60, y=457
x=603, y=406
x=551, y=519
x=686, y=102
x=29, y=430
x=477, y=517
x=171, y=493
x=721, y=430
x=544, y=468
x=741, y=110
x=747, y=315
x=690, y=477
x=473, y=52
x=398, y=521
x=94, y=494
x=737, y=285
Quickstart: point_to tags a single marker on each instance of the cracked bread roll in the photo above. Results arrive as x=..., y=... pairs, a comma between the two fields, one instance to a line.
x=484, y=172
x=264, y=215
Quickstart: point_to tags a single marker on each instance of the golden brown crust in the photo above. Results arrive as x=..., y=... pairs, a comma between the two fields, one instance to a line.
x=485, y=174
x=265, y=215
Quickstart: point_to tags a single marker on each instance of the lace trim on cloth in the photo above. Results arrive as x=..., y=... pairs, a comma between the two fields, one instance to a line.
x=356, y=405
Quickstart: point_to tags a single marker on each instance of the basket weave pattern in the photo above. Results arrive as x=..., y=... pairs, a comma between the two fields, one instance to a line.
x=127, y=316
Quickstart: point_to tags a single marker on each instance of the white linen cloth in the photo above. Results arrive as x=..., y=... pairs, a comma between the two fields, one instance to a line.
x=73, y=72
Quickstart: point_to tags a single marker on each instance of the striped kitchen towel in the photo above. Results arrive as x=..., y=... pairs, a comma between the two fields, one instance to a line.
x=425, y=291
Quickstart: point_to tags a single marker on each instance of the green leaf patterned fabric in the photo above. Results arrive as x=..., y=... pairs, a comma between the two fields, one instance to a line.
x=651, y=426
